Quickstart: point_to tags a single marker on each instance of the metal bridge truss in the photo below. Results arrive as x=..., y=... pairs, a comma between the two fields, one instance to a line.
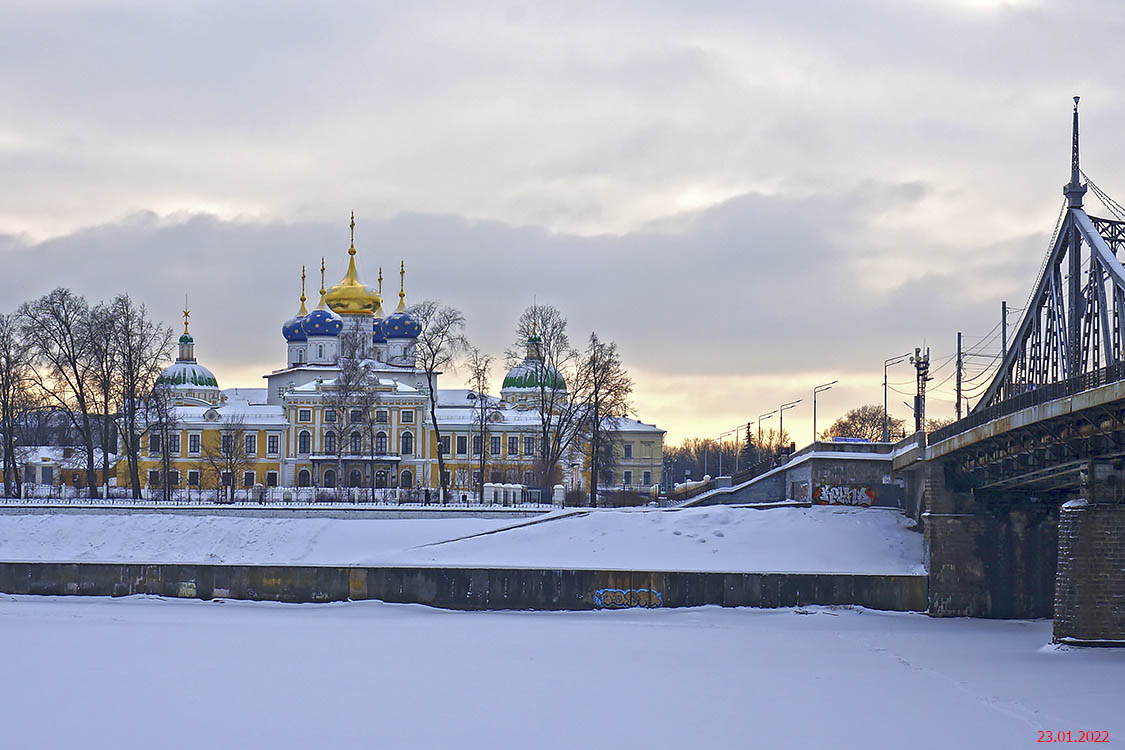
x=1073, y=324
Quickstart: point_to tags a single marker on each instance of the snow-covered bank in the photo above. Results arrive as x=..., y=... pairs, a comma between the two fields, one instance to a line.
x=818, y=539
x=101, y=673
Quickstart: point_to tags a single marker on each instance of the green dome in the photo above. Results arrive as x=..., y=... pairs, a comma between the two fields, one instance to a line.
x=187, y=374
x=526, y=376
x=187, y=339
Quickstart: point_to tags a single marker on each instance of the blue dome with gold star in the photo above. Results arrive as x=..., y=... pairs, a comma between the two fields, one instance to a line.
x=401, y=325
x=379, y=337
x=322, y=323
x=292, y=330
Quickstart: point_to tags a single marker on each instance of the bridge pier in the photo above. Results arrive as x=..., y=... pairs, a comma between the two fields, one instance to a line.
x=1090, y=585
x=990, y=555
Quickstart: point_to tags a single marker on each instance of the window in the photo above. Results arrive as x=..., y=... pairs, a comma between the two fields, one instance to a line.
x=193, y=444
x=628, y=450
x=304, y=415
x=529, y=446
x=226, y=478
x=407, y=417
x=154, y=444
x=273, y=444
x=355, y=443
x=329, y=415
x=174, y=444
x=380, y=443
x=227, y=444
x=627, y=477
x=646, y=478
x=381, y=416
x=496, y=477
x=304, y=442
x=462, y=445
x=478, y=443
x=529, y=478
x=494, y=445
x=381, y=478
x=513, y=446
x=356, y=416
x=193, y=478
x=407, y=445
x=355, y=478
x=173, y=479
x=406, y=480
x=251, y=445
x=304, y=479
x=476, y=477
x=329, y=479
x=330, y=442
x=271, y=478
x=320, y=351
x=445, y=439
x=153, y=478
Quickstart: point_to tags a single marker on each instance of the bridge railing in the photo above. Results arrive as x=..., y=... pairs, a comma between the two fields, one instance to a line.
x=1033, y=396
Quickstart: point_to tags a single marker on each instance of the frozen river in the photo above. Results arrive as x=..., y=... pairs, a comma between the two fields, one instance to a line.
x=143, y=672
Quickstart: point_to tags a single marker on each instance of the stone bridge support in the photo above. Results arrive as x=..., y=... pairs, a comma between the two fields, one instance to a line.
x=1090, y=589
x=989, y=556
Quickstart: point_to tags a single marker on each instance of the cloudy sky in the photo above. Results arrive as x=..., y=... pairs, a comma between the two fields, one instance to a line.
x=749, y=198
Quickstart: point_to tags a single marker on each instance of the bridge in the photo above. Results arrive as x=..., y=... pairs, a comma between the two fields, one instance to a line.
x=1022, y=500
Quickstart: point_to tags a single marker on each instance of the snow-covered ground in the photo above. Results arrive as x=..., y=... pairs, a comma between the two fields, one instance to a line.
x=831, y=539
x=139, y=672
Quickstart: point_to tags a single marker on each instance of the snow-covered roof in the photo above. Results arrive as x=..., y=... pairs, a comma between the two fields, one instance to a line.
x=247, y=395
x=252, y=414
x=58, y=455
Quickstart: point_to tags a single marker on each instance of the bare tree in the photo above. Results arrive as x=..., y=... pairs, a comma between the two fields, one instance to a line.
x=105, y=373
x=57, y=327
x=15, y=383
x=226, y=454
x=607, y=389
x=345, y=397
x=441, y=340
x=140, y=348
x=161, y=424
x=864, y=422
x=485, y=409
x=560, y=404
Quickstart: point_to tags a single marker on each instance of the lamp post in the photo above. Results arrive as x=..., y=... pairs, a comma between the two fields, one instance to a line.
x=762, y=418
x=781, y=418
x=819, y=389
x=721, y=436
x=886, y=364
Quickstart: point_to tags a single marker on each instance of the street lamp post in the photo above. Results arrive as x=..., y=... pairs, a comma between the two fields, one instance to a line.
x=886, y=364
x=762, y=418
x=818, y=389
x=721, y=436
x=781, y=418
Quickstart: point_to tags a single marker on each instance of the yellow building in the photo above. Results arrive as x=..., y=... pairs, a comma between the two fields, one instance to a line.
x=349, y=408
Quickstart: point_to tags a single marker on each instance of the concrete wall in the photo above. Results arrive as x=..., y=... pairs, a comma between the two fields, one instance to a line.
x=467, y=588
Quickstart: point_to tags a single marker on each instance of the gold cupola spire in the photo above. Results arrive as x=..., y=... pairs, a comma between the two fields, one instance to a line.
x=401, y=287
x=187, y=314
x=303, y=311
x=350, y=296
x=321, y=306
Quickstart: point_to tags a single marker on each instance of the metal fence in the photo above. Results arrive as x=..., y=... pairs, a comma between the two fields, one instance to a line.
x=1033, y=396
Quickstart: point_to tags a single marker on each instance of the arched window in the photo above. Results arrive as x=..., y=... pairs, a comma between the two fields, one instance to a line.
x=330, y=442
x=407, y=444
x=329, y=479
x=355, y=478
x=406, y=480
x=355, y=441
x=304, y=479
x=304, y=441
x=381, y=443
x=381, y=478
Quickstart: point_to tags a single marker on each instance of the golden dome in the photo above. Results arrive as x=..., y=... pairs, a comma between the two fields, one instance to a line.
x=351, y=296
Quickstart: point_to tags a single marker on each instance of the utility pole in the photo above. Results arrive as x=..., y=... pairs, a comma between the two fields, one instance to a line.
x=887, y=363
x=960, y=363
x=1003, y=329
x=922, y=369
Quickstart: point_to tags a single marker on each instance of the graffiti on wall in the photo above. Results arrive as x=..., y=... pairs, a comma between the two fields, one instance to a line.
x=625, y=598
x=839, y=494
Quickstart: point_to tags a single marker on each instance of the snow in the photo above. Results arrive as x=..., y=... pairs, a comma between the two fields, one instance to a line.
x=718, y=538
x=144, y=672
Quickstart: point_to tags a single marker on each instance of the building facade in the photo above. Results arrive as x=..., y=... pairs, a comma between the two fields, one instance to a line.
x=351, y=408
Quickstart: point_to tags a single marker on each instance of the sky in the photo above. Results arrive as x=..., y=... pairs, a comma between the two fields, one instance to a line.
x=750, y=199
